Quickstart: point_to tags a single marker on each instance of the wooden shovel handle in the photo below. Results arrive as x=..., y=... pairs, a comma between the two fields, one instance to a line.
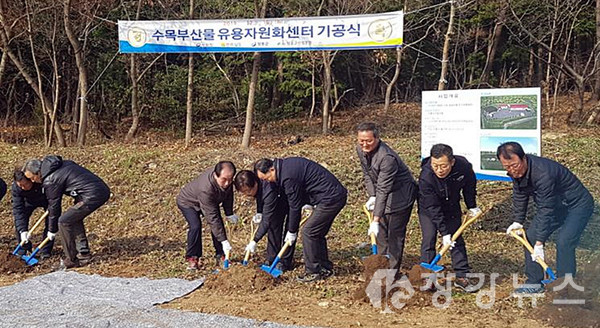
x=36, y=225
x=527, y=245
x=460, y=230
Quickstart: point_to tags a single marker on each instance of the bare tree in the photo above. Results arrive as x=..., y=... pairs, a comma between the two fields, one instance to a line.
x=133, y=74
x=253, y=83
x=443, y=82
x=494, y=42
x=190, y=91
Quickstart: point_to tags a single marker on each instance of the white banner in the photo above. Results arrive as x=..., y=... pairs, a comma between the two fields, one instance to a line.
x=475, y=122
x=268, y=34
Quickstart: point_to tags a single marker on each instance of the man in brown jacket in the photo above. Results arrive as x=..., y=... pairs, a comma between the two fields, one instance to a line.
x=392, y=190
x=202, y=197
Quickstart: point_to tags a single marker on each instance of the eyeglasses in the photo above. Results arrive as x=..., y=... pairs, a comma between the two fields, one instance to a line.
x=444, y=167
x=512, y=167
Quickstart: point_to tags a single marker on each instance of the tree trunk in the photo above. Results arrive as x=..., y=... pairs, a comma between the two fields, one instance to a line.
x=135, y=109
x=390, y=86
x=326, y=90
x=443, y=82
x=83, y=75
x=494, y=44
x=190, y=91
x=252, y=89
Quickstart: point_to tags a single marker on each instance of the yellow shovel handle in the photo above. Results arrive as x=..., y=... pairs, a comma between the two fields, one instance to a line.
x=370, y=217
x=527, y=245
x=40, y=246
x=37, y=224
x=460, y=230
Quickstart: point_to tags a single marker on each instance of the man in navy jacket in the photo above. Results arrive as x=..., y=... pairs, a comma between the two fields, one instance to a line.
x=304, y=181
x=26, y=197
x=271, y=213
x=562, y=202
x=444, y=176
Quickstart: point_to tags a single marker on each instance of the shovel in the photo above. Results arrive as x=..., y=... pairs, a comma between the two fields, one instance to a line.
x=39, y=221
x=272, y=270
x=31, y=260
x=373, y=238
x=252, y=233
x=433, y=266
x=523, y=240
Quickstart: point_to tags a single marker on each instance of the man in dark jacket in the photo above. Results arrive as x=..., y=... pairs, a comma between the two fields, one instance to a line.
x=26, y=197
x=392, y=190
x=89, y=192
x=304, y=181
x=202, y=197
x=562, y=202
x=443, y=177
x=271, y=211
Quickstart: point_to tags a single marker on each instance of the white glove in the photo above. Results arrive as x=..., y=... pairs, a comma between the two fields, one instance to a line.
x=290, y=237
x=233, y=218
x=473, y=212
x=538, y=251
x=373, y=228
x=370, y=204
x=51, y=235
x=226, y=246
x=447, y=240
x=257, y=218
x=514, y=226
x=25, y=237
x=307, y=207
x=251, y=247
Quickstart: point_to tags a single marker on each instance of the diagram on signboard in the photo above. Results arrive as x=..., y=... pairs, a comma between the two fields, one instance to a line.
x=509, y=112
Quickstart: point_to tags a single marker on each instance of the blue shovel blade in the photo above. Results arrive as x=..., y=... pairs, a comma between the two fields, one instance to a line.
x=244, y=263
x=272, y=271
x=431, y=266
x=29, y=260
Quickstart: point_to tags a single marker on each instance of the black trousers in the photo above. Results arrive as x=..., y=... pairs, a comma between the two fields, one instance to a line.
x=71, y=228
x=460, y=262
x=571, y=222
x=317, y=226
x=392, y=234
x=275, y=235
x=194, y=234
x=28, y=246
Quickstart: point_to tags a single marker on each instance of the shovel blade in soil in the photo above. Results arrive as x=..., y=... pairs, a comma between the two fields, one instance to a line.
x=271, y=270
x=29, y=260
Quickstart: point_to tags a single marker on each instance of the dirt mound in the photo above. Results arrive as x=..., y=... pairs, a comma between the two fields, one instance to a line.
x=10, y=263
x=372, y=264
x=240, y=279
x=566, y=306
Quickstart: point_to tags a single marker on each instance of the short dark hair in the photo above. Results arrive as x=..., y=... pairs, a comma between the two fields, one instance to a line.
x=439, y=150
x=245, y=178
x=369, y=126
x=507, y=149
x=263, y=165
x=19, y=175
x=221, y=165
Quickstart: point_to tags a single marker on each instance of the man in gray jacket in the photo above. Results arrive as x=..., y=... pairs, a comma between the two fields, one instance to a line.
x=202, y=197
x=392, y=190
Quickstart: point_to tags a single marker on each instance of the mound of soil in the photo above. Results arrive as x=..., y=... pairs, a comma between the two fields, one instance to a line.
x=586, y=314
x=241, y=280
x=372, y=264
x=10, y=263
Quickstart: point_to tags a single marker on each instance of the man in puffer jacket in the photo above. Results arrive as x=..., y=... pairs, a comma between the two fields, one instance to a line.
x=562, y=203
x=89, y=192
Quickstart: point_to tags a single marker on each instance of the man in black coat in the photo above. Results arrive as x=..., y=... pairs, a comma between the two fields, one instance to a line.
x=26, y=197
x=63, y=177
x=304, y=181
x=271, y=213
x=392, y=190
x=202, y=197
x=443, y=177
x=562, y=203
